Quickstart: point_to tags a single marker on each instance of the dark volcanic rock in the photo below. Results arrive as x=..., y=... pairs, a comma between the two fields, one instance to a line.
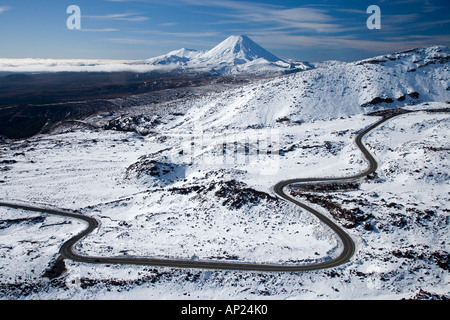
x=237, y=195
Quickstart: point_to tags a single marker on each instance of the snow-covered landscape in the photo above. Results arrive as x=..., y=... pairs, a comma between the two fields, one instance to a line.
x=192, y=178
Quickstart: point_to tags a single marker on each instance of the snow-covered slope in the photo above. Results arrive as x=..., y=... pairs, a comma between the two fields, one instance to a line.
x=177, y=57
x=329, y=92
x=236, y=54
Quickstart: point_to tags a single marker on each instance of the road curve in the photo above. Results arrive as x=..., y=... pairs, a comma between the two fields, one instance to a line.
x=68, y=248
x=348, y=244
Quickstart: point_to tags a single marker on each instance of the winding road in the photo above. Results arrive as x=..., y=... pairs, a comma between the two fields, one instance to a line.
x=68, y=251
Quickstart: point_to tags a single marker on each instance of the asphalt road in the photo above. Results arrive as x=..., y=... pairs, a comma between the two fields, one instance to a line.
x=68, y=249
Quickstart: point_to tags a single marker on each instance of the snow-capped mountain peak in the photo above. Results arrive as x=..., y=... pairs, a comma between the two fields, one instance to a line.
x=238, y=50
x=236, y=54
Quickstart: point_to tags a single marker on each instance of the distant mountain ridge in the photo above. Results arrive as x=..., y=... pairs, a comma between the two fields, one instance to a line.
x=180, y=57
x=236, y=54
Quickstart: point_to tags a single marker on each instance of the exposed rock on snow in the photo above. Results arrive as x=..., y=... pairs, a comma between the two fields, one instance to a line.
x=142, y=124
x=154, y=172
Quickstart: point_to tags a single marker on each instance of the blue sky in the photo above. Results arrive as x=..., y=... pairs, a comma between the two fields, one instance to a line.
x=140, y=29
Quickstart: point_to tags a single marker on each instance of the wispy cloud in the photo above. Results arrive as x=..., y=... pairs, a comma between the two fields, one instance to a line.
x=159, y=43
x=389, y=44
x=308, y=19
x=230, y=4
x=132, y=41
x=99, y=30
x=168, y=24
x=280, y=17
x=181, y=34
x=429, y=24
x=120, y=17
x=4, y=9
